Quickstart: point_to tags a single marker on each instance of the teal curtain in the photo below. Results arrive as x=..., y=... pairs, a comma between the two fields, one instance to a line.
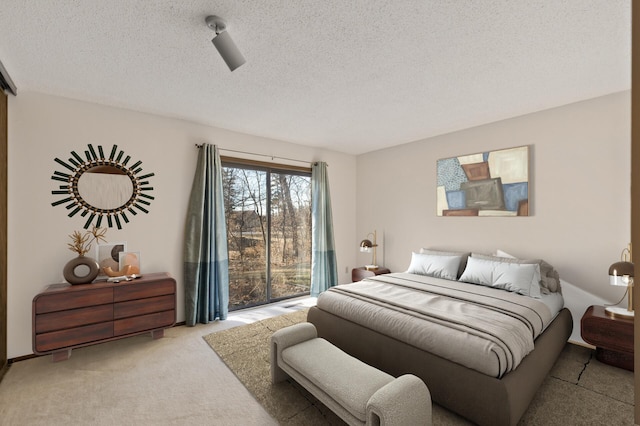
x=206, y=259
x=324, y=269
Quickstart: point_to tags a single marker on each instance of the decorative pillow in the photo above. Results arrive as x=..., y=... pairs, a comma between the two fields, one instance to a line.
x=434, y=266
x=549, y=277
x=463, y=257
x=521, y=278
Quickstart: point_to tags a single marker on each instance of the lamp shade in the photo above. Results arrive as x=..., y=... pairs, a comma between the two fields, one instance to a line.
x=228, y=50
x=366, y=245
x=621, y=274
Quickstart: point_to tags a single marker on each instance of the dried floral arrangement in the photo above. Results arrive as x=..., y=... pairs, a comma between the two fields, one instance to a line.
x=81, y=242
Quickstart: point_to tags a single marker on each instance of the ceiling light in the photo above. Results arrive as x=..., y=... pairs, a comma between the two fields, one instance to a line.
x=223, y=42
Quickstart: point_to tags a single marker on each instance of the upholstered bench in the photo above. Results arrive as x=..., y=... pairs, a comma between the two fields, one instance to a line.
x=358, y=393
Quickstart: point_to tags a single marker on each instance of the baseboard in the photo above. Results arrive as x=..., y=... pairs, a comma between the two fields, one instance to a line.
x=23, y=358
x=583, y=344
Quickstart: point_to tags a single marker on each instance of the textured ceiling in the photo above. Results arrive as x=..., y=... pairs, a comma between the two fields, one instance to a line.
x=352, y=76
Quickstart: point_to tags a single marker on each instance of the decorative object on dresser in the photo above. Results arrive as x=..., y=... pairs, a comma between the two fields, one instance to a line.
x=621, y=274
x=366, y=246
x=130, y=261
x=67, y=317
x=83, y=269
x=108, y=257
x=611, y=335
x=361, y=273
x=102, y=187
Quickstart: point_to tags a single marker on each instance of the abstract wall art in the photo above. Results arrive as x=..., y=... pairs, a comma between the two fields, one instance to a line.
x=492, y=183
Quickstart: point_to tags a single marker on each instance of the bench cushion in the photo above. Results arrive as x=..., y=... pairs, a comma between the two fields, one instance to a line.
x=349, y=381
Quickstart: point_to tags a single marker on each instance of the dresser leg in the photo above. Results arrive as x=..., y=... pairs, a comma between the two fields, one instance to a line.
x=61, y=355
x=157, y=334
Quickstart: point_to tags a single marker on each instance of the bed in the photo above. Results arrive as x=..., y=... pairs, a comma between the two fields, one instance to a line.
x=481, y=331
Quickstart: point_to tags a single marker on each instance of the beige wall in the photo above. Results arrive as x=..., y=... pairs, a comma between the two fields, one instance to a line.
x=43, y=127
x=580, y=193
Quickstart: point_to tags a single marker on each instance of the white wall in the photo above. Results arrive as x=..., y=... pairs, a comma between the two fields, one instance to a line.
x=43, y=127
x=579, y=194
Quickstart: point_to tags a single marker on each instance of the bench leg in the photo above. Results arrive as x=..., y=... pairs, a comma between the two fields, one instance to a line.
x=277, y=374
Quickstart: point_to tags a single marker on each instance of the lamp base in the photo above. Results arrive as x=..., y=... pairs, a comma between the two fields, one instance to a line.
x=370, y=267
x=619, y=312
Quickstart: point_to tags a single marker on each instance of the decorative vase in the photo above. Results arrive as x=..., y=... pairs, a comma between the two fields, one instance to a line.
x=81, y=270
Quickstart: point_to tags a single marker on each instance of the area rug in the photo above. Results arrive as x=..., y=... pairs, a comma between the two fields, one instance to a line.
x=245, y=350
x=579, y=389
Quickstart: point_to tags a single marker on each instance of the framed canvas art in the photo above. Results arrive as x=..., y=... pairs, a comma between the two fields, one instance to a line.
x=108, y=256
x=492, y=183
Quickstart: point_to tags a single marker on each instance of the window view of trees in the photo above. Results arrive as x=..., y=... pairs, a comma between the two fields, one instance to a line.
x=268, y=214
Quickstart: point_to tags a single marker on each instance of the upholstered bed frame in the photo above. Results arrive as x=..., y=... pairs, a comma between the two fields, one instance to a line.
x=480, y=398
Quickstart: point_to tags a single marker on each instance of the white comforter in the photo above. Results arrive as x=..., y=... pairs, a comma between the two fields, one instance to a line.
x=482, y=328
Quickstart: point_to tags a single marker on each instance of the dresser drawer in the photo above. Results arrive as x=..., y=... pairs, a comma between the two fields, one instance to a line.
x=74, y=336
x=73, y=318
x=144, y=322
x=601, y=330
x=54, y=302
x=133, y=290
x=144, y=306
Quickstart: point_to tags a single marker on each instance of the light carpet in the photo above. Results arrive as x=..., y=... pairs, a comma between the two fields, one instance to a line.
x=578, y=391
x=174, y=381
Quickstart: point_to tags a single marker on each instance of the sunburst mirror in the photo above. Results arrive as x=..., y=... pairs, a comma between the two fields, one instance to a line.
x=102, y=188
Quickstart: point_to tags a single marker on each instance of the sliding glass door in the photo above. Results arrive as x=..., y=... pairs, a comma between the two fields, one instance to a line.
x=268, y=213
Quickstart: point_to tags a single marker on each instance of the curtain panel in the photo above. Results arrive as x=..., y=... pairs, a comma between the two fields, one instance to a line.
x=206, y=259
x=324, y=269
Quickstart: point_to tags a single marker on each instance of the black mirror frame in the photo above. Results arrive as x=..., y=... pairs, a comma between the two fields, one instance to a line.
x=74, y=201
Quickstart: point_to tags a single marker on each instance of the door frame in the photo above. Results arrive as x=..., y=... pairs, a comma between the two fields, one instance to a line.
x=4, y=362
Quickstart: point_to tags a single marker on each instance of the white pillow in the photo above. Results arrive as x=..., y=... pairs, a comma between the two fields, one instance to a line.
x=549, y=278
x=521, y=278
x=435, y=265
x=463, y=256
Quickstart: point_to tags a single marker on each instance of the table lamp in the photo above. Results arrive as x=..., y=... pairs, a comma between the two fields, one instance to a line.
x=366, y=246
x=621, y=274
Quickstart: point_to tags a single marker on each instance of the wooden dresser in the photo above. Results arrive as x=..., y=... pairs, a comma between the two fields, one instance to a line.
x=70, y=316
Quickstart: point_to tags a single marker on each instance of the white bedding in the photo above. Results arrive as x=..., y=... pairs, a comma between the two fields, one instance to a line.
x=483, y=328
x=554, y=301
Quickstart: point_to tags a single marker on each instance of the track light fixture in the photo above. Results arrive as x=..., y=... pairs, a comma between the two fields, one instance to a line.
x=223, y=42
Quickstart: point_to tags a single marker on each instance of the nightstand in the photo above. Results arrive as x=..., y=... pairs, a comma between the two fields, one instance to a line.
x=612, y=336
x=358, y=274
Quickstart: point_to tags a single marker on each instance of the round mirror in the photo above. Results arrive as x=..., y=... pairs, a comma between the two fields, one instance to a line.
x=105, y=187
x=100, y=187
